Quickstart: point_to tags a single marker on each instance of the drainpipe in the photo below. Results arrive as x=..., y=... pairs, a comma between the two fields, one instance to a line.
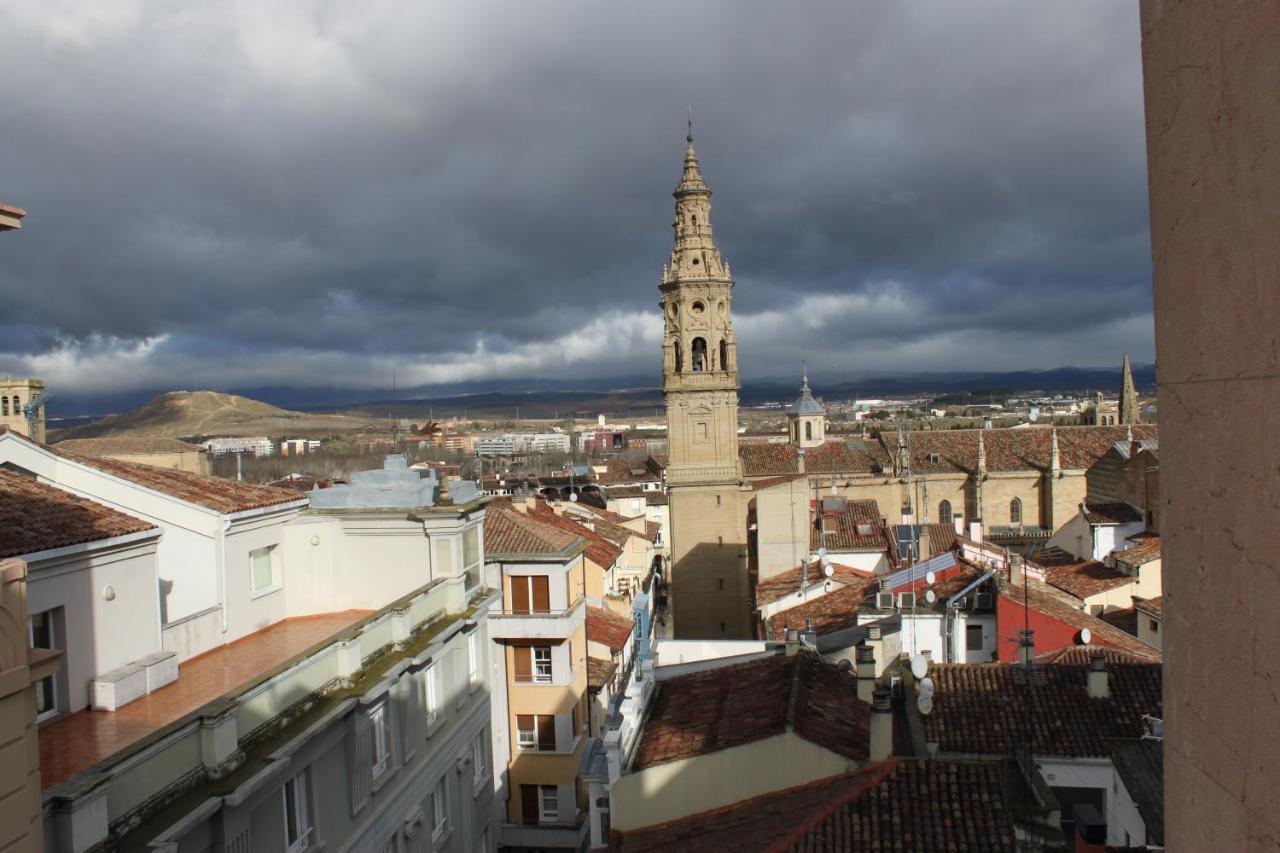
x=223, y=527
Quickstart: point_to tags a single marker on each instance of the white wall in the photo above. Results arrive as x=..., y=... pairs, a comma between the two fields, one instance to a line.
x=1121, y=813
x=100, y=634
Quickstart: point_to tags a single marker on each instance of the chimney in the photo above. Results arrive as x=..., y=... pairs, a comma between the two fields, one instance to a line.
x=922, y=543
x=443, y=498
x=791, y=639
x=1099, y=686
x=866, y=672
x=800, y=461
x=975, y=530
x=873, y=633
x=881, y=746
x=809, y=638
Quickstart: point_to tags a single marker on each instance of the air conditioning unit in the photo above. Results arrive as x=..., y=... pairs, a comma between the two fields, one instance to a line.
x=962, y=603
x=983, y=601
x=884, y=600
x=906, y=600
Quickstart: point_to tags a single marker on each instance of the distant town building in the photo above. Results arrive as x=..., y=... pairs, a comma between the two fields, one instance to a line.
x=161, y=452
x=299, y=446
x=506, y=444
x=256, y=446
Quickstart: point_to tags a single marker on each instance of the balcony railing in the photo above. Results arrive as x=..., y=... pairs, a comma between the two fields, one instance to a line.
x=537, y=624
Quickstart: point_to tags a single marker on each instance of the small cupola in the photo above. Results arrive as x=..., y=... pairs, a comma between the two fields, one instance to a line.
x=806, y=418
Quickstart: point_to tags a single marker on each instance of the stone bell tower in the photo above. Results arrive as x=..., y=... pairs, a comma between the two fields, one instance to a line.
x=709, y=595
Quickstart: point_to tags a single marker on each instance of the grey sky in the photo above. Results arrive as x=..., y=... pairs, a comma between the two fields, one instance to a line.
x=244, y=194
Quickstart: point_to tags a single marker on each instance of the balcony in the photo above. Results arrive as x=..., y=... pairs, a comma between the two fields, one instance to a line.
x=543, y=625
x=570, y=835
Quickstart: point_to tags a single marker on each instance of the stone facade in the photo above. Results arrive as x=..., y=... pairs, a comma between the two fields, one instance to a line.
x=14, y=395
x=700, y=384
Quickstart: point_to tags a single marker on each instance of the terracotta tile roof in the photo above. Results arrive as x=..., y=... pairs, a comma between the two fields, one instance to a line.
x=902, y=804
x=842, y=456
x=832, y=611
x=611, y=629
x=625, y=471
x=655, y=499
x=225, y=496
x=724, y=707
x=1083, y=654
x=978, y=708
x=127, y=445
x=1126, y=620
x=942, y=538
x=788, y=583
x=600, y=550
x=626, y=492
x=599, y=671
x=1064, y=609
x=1111, y=513
x=1147, y=549
x=37, y=517
x=770, y=482
x=1087, y=578
x=956, y=451
x=1154, y=606
x=856, y=527
x=651, y=530
x=507, y=531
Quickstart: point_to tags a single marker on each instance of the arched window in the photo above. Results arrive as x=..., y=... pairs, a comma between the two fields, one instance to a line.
x=17, y=405
x=5, y=400
x=944, y=512
x=1015, y=511
x=675, y=344
x=808, y=430
x=699, y=355
x=724, y=354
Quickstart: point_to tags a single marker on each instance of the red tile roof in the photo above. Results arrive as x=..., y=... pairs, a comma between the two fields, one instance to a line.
x=600, y=550
x=1083, y=654
x=978, y=708
x=1028, y=449
x=127, y=445
x=625, y=472
x=857, y=527
x=611, y=629
x=1111, y=513
x=225, y=496
x=902, y=804
x=842, y=456
x=1063, y=608
x=1154, y=606
x=777, y=586
x=1147, y=549
x=832, y=611
x=730, y=706
x=36, y=517
x=599, y=671
x=509, y=532
x=1087, y=578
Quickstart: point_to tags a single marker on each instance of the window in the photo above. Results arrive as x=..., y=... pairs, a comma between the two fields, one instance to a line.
x=536, y=731
x=439, y=809
x=675, y=345
x=479, y=762
x=944, y=512
x=532, y=664
x=5, y=402
x=262, y=573
x=297, y=812
x=1155, y=626
x=381, y=742
x=444, y=557
x=530, y=594
x=432, y=687
x=724, y=353
x=473, y=657
x=43, y=635
x=548, y=803
x=471, y=556
x=973, y=638
x=699, y=355
x=808, y=430
x=1015, y=511
x=542, y=664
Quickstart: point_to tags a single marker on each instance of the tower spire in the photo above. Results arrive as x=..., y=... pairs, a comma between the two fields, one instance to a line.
x=1128, y=395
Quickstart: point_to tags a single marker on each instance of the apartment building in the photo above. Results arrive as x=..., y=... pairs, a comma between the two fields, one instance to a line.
x=258, y=446
x=506, y=444
x=540, y=724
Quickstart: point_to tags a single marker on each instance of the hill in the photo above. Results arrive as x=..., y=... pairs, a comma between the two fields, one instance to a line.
x=181, y=414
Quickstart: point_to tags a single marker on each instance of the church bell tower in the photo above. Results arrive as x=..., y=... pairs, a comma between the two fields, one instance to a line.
x=709, y=594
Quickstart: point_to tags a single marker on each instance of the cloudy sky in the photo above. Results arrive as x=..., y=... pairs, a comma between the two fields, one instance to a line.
x=245, y=194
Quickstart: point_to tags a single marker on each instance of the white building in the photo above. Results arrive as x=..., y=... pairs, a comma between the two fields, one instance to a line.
x=258, y=446
x=505, y=444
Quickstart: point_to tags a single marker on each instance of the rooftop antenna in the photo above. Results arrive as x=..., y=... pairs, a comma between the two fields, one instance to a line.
x=689, y=136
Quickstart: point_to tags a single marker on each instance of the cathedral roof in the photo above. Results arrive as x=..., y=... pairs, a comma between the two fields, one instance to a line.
x=805, y=404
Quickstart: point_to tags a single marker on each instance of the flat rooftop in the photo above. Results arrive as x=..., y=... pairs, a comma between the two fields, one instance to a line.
x=80, y=740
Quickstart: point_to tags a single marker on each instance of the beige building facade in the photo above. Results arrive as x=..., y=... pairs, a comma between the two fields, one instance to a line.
x=709, y=589
x=15, y=395
x=160, y=452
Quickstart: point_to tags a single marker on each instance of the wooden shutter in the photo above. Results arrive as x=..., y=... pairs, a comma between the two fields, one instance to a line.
x=360, y=760
x=524, y=723
x=524, y=663
x=546, y=732
x=541, y=594
x=529, y=803
x=520, y=595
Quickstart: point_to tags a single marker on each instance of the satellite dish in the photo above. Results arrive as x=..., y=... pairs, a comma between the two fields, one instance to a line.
x=574, y=497
x=822, y=552
x=925, y=704
x=930, y=578
x=833, y=489
x=827, y=570
x=919, y=666
x=930, y=596
x=926, y=686
x=1085, y=636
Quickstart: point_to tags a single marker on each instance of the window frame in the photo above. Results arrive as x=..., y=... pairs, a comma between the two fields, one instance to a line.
x=473, y=658
x=380, y=740
x=537, y=666
x=273, y=567
x=545, y=816
x=439, y=808
x=50, y=682
x=1015, y=511
x=297, y=790
x=479, y=763
x=431, y=693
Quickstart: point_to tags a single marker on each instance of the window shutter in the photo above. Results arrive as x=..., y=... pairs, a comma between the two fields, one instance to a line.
x=413, y=716
x=360, y=760
x=524, y=663
x=519, y=595
x=546, y=732
x=541, y=594
x=529, y=803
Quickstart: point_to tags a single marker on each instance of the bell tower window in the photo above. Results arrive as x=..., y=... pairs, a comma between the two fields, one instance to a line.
x=675, y=344
x=699, y=355
x=724, y=354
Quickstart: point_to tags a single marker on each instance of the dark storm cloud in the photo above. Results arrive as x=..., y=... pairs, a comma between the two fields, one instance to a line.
x=314, y=193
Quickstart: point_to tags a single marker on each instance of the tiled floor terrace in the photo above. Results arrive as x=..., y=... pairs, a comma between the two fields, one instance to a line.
x=80, y=740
